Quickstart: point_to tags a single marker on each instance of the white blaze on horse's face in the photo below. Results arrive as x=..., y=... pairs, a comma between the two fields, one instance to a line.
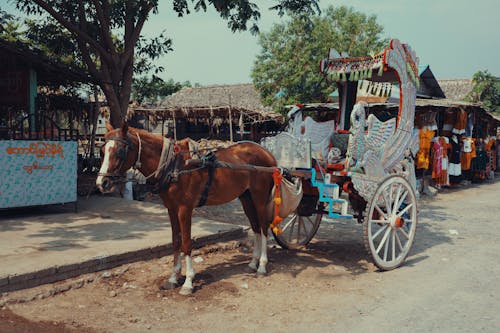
x=105, y=166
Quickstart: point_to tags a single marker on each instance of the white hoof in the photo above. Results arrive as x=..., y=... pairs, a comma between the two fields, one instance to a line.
x=185, y=291
x=252, y=266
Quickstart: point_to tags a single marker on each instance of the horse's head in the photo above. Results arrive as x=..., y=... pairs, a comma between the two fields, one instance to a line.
x=118, y=156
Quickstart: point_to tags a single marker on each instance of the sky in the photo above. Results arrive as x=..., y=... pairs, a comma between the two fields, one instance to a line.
x=455, y=37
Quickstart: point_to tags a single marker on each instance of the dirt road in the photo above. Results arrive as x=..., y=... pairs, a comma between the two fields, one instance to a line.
x=449, y=283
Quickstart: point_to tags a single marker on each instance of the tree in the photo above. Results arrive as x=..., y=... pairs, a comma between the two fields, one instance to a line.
x=486, y=90
x=288, y=64
x=153, y=89
x=107, y=34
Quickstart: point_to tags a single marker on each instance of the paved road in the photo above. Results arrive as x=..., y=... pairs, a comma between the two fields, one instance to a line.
x=451, y=282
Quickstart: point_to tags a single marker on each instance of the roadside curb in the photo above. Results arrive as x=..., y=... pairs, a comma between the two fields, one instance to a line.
x=57, y=273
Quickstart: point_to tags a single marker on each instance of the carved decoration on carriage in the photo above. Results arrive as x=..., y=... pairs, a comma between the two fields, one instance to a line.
x=379, y=152
x=290, y=151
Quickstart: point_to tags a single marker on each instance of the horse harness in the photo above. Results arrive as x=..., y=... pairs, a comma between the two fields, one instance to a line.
x=167, y=171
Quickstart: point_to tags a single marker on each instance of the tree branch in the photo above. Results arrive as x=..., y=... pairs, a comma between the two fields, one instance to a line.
x=132, y=39
x=79, y=34
x=105, y=27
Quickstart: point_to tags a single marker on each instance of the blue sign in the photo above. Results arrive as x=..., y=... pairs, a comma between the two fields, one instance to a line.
x=37, y=173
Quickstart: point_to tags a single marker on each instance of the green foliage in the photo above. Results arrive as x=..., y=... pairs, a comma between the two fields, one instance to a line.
x=291, y=52
x=486, y=90
x=107, y=35
x=154, y=89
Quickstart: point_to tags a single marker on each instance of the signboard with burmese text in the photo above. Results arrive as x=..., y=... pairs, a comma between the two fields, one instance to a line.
x=37, y=173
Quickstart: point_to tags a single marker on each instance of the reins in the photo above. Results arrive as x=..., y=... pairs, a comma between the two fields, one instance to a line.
x=167, y=169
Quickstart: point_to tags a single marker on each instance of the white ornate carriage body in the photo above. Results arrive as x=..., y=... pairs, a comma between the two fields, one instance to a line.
x=377, y=173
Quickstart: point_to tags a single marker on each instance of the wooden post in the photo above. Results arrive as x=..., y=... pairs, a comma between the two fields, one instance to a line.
x=175, y=126
x=230, y=125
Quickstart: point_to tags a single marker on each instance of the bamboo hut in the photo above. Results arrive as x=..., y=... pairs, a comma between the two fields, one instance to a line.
x=225, y=112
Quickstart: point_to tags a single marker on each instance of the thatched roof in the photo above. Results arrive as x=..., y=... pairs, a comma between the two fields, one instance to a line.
x=456, y=89
x=243, y=96
x=213, y=101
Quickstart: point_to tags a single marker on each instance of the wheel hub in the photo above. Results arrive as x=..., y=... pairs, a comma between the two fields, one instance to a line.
x=397, y=222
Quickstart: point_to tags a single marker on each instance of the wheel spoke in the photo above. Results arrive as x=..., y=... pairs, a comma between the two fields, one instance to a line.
x=403, y=198
x=387, y=203
x=405, y=210
x=290, y=223
x=386, y=247
x=379, y=231
x=298, y=229
x=393, y=243
x=308, y=218
x=380, y=211
x=379, y=221
x=404, y=233
x=382, y=242
x=398, y=241
x=396, y=199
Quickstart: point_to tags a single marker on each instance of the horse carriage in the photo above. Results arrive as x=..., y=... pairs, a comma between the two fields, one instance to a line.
x=365, y=174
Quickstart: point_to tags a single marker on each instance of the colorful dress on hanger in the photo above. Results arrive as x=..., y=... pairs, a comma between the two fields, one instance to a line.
x=460, y=122
x=468, y=153
x=449, y=121
x=424, y=154
x=440, y=161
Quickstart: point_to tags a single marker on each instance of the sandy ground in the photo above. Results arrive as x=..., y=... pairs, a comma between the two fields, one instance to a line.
x=449, y=283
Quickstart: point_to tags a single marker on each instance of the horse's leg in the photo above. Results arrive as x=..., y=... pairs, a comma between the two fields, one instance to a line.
x=249, y=209
x=259, y=200
x=176, y=245
x=185, y=215
x=263, y=255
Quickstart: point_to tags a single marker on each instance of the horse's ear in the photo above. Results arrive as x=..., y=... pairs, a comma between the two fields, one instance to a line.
x=109, y=127
x=124, y=128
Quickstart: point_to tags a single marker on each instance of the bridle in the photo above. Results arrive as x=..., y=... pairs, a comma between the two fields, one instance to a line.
x=168, y=154
x=121, y=154
x=167, y=169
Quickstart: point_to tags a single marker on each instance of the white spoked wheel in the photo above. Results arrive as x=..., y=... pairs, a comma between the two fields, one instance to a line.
x=298, y=230
x=391, y=222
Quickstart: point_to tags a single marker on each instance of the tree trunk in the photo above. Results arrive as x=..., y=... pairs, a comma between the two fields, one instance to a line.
x=95, y=117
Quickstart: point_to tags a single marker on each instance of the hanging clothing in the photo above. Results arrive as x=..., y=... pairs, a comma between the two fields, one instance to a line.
x=424, y=153
x=426, y=120
x=468, y=153
x=449, y=121
x=460, y=122
x=455, y=167
x=440, y=157
x=470, y=125
x=437, y=158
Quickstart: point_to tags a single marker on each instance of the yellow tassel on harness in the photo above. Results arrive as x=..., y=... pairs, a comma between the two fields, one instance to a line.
x=277, y=177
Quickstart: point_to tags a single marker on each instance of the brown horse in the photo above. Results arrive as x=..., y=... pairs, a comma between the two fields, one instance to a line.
x=182, y=187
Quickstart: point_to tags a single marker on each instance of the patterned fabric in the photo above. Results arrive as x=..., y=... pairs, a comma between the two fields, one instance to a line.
x=441, y=176
x=37, y=173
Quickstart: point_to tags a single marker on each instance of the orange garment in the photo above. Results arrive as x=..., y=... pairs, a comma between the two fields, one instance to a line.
x=469, y=152
x=424, y=154
x=460, y=122
x=488, y=146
